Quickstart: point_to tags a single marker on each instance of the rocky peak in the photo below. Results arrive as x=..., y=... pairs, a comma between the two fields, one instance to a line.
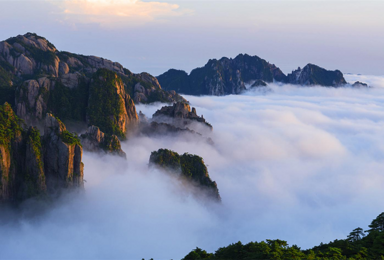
x=189, y=168
x=53, y=125
x=315, y=75
x=180, y=114
x=34, y=40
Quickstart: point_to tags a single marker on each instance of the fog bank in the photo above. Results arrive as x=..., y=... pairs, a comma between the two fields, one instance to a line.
x=298, y=164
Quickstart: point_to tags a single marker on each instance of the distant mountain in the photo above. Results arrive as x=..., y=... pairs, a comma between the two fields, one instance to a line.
x=221, y=77
x=232, y=76
x=314, y=75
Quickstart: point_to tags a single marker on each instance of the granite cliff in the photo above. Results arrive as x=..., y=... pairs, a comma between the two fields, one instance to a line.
x=33, y=165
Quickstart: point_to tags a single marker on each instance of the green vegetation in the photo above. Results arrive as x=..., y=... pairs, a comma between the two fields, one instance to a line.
x=192, y=167
x=34, y=178
x=7, y=91
x=67, y=103
x=70, y=138
x=35, y=142
x=105, y=104
x=9, y=124
x=111, y=143
x=166, y=158
x=356, y=246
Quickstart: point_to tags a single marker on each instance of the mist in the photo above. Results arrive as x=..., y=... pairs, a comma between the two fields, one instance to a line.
x=302, y=164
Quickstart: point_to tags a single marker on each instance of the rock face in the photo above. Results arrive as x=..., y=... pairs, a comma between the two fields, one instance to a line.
x=96, y=141
x=188, y=167
x=180, y=114
x=221, y=77
x=61, y=81
x=110, y=108
x=62, y=156
x=31, y=166
x=315, y=75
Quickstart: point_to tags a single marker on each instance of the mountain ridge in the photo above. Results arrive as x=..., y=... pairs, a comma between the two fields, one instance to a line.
x=232, y=75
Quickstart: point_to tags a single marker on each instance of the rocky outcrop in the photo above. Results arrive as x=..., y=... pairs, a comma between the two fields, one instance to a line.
x=187, y=167
x=315, y=75
x=180, y=114
x=32, y=98
x=96, y=141
x=110, y=108
x=32, y=166
x=221, y=77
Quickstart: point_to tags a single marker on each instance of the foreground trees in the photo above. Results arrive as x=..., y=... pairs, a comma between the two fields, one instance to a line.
x=357, y=245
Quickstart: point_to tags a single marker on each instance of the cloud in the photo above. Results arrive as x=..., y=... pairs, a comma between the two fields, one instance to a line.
x=303, y=164
x=116, y=13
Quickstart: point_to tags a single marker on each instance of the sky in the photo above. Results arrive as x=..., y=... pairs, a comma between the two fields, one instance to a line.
x=303, y=165
x=156, y=36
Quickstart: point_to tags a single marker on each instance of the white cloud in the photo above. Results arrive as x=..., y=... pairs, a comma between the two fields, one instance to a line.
x=300, y=164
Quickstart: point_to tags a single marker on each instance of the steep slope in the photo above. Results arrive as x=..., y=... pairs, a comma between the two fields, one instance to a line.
x=221, y=77
x=109, y=107
x=33, y=166
x=189, y=167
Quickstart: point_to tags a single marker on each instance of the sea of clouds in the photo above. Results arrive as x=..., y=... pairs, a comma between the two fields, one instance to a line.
x=302, y=164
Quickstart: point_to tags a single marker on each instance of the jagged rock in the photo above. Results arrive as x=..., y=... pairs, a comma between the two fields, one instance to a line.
x=315, y=75
x=180, y=114
x=221, y=77
x=31, y=99
x=95, y=141
x=188, y=167
x=359, y=84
